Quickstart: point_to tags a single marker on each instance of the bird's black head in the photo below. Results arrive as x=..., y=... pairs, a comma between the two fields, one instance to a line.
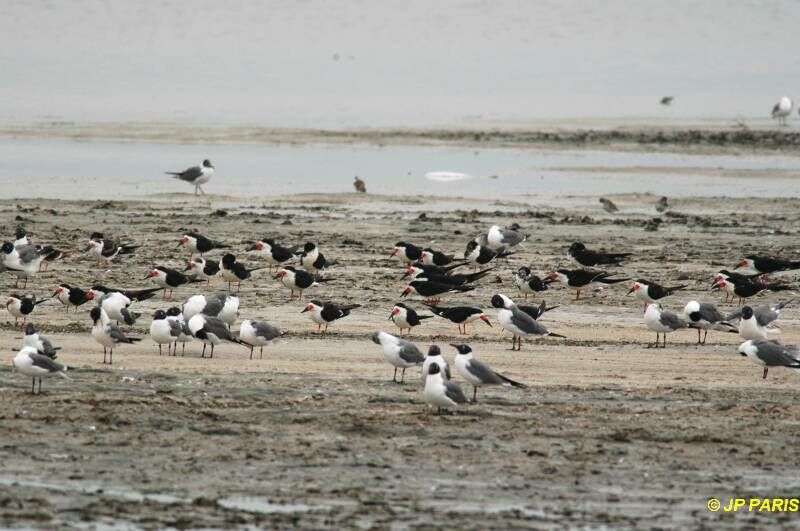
x=575, y=247
x=471, y=246
x=515, y=226
x=228, y=259
x=96, y=236
x=7, y=247
x=95, y=314
x=207, y=164
x=315, y=303
x=434, y=368
x=747, y=312
x=401, y=305
x=309, y=246
x=401, y=244
x=524, y=272
x=434, y=350
x=462, y=349
x=269, y=241
x=30, y=329
x=174, y=311
x=19, y=232
x=159, y=315
x=498, y=302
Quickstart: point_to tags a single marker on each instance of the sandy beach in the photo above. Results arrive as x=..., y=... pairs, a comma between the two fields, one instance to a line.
x=609, y=433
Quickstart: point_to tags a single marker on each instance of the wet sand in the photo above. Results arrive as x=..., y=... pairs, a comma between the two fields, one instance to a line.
x=315, y=434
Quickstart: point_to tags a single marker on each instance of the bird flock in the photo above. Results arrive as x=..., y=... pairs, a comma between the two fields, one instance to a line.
x=431, y=274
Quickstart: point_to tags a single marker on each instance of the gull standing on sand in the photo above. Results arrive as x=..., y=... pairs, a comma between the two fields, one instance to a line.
x=755, y=324
x=258, y=334
x=498, y=238
x=164, y=331
x=39, y=342
x=782, y=109
x=211, y=331
x=107, y=334
x=771, y=354
x=705, y=316
x=440, y=392
x=196, y=175
x=174, y=314
x=519, y=323
x=478, y=373
x=662, y=322
x=24, y=261
x=31, y=363
x=435, y=356
x=401, y=354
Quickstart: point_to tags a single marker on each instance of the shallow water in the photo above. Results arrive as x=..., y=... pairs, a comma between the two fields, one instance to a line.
x=109, y=170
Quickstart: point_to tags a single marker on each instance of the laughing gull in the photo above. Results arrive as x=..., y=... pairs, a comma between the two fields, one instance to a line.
x=72, y=296
x=234, y=271
x=608, y=205
x=705, y=316
x=209, y=305
x=440, y=392
x=107, y=334
x=328, y=312
x=106, y=249
x=407, y=253
x=662, y=322
x=771, y=354
x=169, y=279
x=117, y=307
x=649, y=292
x=174, y=314
x=401, y=354
x=782, y=109
x=478, y=373
x=480, y=255
x=764, y=265
x=196, y=175
x=435, y=356
x=581, y=279
x=519, y=323
x=39, y=342
x=298, y=280
x=203, y=269
x=498, y=238
x=405, y=317
x=197, y=243
x=755, y=323
x=274, y=253
x=312, y=259
x=164, y=331
x=211, y=331
x=21, y=306
x=36, y=365
x=589, y=258
x=20, y=237
x=429, y=289
x=460, y=315
x=258, y=334
x=529, y=283
x=24, y=261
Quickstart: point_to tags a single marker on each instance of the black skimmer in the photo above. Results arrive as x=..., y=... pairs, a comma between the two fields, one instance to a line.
x=649, y=292
x=275, y=254
x=756, y=324
x=258, y=334
x=581, y=279
x=437, y=258
x=500, y=239
x=21, y=306
x=440, y=392
x=479, y=255
x=519, y=323
x=234, y=271
x=137, y=295
x=478, y=373
x=196, y=175
x=404, y=317
x=175, y=314
x=735, y=278
x=107, y=334
x=104, y=249
x=705, y=316
x=765, y=265
x=298, y=279
x=312, y=259
x=36, y=365
x=433, y=269
x=662, y=322
x=39, y=342
x=197, y=243
x=72, y=296
x=662, y=204
x=536, y=311
x=435, y=356
x=782, y=109
x=407, y=253
x=529, y=283
x=328, y=312
x=169, y=279
x=429, y=289
x=211, y=331
x=608, y=205
x=453, y=279
x=460, y=315
x=203, y=269
x=401, y=354
x=751, y=288
x=588, y=258
x=51, y=254
x=164, y=331
x=771, y=354
x=359, y=185
x=24, y=261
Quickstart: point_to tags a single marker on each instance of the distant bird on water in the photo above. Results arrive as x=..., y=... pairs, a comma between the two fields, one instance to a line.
x=196, y=175
x=782, y=109
x=608, y=205
x=359, y=185
x=667, y=100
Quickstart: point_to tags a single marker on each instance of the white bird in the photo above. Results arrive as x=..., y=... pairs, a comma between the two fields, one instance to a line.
x=771, y=354
x=401, y=354
x=516, y=321
x=441, y=392
x=478, y=373
x=31, y=363
x=258, y=334
x=117, y=306
x=107, y=334
x=755, y=324
x=174, y=314
x=211, y=331
x=498, y=238
x=24, y=261
x=705, y=316
x=661, y=322
x=164, y=331
x=782, y=109
x=39, y=342
x=196, y=175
